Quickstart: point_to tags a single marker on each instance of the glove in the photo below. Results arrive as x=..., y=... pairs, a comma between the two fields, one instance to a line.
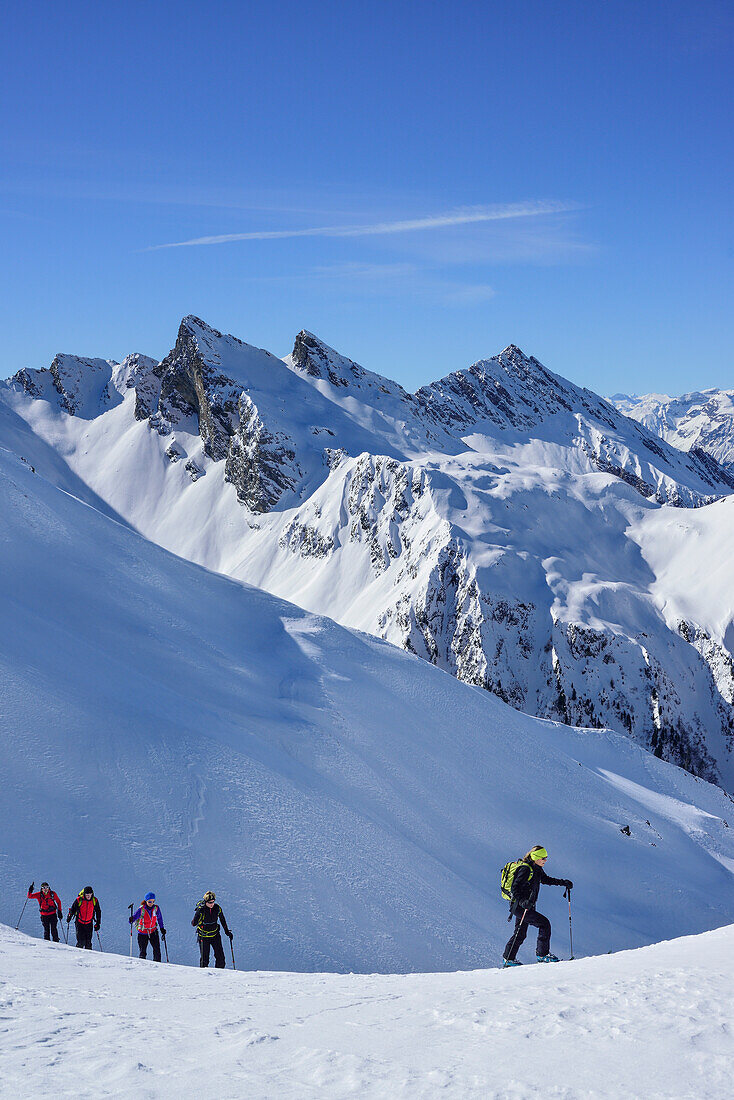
x=229, y=934
x=163, y=933
x=130, y=919
x=68, y=916
x=30, y=888
x=97, y=927
x=567, y=883
x=60, y=915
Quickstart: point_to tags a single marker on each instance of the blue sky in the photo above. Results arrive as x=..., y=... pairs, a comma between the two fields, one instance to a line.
x=420, y=184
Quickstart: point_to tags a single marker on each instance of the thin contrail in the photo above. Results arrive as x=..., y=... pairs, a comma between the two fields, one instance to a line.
x=461, y=216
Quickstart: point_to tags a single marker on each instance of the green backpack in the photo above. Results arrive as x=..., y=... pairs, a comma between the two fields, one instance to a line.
x=507, y=877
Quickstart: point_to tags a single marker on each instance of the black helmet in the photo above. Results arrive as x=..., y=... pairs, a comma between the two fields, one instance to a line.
x=87, y=890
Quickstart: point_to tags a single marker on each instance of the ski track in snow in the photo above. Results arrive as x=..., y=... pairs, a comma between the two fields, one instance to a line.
x=656, y=1022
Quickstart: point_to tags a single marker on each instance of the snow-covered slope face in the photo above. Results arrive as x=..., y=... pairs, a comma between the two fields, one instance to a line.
x=350, y=804
x=654, y=1022
x=703, y=420
x=512, y=392
x=489, y=523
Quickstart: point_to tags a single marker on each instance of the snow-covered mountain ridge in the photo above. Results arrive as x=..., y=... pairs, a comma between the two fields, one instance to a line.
x=703, y=419
x=350, y=804
x=500, y=522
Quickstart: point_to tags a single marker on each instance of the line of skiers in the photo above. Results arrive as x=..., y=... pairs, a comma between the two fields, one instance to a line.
x=147, y=918
x=521, y=880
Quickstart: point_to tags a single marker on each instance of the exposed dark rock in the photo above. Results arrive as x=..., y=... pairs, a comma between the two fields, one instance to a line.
x=260, y=464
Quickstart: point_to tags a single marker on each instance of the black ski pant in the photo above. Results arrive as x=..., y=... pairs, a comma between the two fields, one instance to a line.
x=205, y=946
x=523, y=919
x=155, y=943
x=84, y=935
x=50, y=927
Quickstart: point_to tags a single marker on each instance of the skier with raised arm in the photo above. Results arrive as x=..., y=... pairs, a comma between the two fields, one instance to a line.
x=207, y=918
x=50, y=909
x=521, y=882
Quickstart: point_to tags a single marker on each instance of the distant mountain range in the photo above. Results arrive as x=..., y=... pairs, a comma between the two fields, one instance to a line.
x=704, y=419
x=510, y=527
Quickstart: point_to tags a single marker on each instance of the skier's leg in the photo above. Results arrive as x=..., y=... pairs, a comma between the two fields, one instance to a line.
x=544, y=934
x=87, y=933
x=518, y=937
x=204, y=946
x=79, y=934
x=54, y=928
x=155, y=944
x=142, y=945
x=46, y=922
x=218, y=952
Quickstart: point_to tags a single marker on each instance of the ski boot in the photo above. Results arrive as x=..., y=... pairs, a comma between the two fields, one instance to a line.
x=510, y=962
x=547, y=958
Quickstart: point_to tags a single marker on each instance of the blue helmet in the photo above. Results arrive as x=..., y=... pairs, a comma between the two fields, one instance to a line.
x=149, y=897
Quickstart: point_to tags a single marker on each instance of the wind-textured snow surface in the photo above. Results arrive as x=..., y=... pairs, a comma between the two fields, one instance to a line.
x=167, y=728
x=655, y=1022
x=498, y=523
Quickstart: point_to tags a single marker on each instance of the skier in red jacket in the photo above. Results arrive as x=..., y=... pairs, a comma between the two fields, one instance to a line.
x=51, y=911
x=86, y=910
x=149, y=919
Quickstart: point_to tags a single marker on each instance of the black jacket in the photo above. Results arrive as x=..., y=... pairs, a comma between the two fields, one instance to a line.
x=206, y=921
x=526, y=885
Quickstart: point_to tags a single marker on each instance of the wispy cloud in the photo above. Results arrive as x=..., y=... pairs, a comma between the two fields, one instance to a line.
x=388, y=280
x=466, y=215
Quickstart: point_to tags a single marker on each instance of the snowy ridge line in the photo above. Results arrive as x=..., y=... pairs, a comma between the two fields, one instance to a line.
x=463, y=1034
x=702, y=420
x=350, y=805
x=501, y=523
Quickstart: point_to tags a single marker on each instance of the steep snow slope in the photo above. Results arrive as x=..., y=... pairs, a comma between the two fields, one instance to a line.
x=165, y=727
x=703, y=419
x=485, y=523
x=654, y=1022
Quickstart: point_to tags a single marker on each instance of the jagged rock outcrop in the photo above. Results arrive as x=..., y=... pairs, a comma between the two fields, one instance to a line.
x=485, y=523
x=192, y=386
x=260, y=464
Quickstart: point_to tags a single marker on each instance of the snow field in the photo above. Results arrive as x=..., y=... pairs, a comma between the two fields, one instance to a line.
x=170, y=729
x=656, y=1022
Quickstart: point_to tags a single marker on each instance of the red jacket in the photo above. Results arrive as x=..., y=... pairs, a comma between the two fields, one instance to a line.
x=48, y=903
x=86, y=911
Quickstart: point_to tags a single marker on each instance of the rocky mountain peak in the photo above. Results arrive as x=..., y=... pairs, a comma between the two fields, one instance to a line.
x=318, y=360
x=193, y=326
x=513, y=352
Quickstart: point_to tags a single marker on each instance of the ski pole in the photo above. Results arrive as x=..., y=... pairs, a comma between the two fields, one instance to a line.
x=99, y=942
x=130, y=907
x=517, y=932
x=20, y=918
x=234, y=967
x=567, y=893
x=166, y=946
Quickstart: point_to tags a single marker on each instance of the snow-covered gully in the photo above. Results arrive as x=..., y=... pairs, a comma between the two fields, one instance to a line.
x=656, y=1022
